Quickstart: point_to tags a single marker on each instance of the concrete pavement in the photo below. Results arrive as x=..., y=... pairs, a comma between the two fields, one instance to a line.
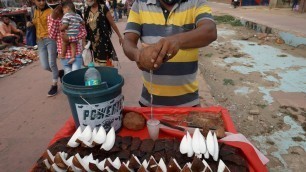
x=282, y=19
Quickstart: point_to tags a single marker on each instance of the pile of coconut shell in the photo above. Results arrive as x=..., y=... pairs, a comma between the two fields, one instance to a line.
x=162, y=154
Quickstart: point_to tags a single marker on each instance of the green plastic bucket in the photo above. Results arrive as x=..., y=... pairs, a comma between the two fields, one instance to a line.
x=95, y=106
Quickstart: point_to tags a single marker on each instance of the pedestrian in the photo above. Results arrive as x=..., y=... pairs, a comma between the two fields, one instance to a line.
x=99, y=25
x=294, y=4
x=120, y=9
x=128, y=5
x=11, y=35
x=46, y=46
x=71, y=23
x=54, y=23
x=115, y=10
x=171, y=31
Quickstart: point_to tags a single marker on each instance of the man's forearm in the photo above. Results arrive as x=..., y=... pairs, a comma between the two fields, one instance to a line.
x=202, y=36
x=130, y=50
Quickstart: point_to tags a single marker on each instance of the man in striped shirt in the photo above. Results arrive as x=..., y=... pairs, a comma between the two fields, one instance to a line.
x=171, y=31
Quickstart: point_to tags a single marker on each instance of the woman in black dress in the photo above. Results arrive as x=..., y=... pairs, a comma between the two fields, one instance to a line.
x=99, y=25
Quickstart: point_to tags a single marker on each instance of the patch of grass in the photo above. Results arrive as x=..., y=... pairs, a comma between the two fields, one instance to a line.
x=297, y=139
x=227, y=19
x=228, y=82
x=262, y=106
x=282, y=55
x=209, y=55
x=236, y=23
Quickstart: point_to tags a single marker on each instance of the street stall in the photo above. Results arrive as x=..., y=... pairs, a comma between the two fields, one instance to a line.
x=18, y=15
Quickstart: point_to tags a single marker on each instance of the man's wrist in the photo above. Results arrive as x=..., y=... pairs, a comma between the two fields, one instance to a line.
x=136, y=55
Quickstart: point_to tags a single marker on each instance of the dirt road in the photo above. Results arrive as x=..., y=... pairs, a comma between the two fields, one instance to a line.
x=262, y=83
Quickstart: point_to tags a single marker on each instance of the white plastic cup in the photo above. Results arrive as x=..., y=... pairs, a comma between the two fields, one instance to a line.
x=153, y=128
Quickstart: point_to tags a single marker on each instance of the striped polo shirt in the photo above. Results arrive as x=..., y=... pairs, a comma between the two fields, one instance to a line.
x=73, y=20
x=174, y=83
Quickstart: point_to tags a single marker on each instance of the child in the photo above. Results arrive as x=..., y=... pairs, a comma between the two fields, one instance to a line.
x=70, y=24
x=46, y=46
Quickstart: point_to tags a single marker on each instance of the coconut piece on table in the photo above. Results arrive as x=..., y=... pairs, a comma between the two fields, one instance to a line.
x=101, y=165
x=55, y=168
x=50, y=157
x=222, y=167
x=207, y=167
x=93, y=165
x=184, y=145
x=216, y=147
x=197, y=165
x=173, y=166
x=100, y=137
x=109, y=164
x=134, y=163
x=142, y=169
x=60, y=160
x=210, y=143
x=152, y=164
x=124, y=168
x=85, y=135
x=110, y=140
x=162, y=165
x=186, y=168
x=47, y=164
x=189, y=143
x=117, y=163
x=202, y=143
x=196, y=141
x=72, y=142
x=145, y=163
x=77, y=161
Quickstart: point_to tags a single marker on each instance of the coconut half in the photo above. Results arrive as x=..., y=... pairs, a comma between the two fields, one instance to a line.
x=145, y=164
x=184, y=145
x=86, y=135
x=189, y=143
x=134, y=163
x=93, y=135
x=197, y=165
x=124, y=168
x=72, y=142
x=101, y=165
x=162, y=165
x=210, y=143
x=100, y=136
x=117, y=163
x=50, y=157
x=206, y=166
x=57, y=169
x=110, y=140
x=216, y=147
x=77, y=161
x=47, y=164
x=195, y=141
x=60, y=160
x=202, y=142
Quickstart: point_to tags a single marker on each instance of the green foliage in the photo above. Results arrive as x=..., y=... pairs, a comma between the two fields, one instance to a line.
x=228, y=82
x=227, y=19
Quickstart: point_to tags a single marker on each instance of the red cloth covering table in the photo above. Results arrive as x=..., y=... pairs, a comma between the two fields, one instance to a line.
x=254, y=162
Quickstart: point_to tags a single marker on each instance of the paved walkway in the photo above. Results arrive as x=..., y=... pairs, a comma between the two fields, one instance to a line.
x=282, y=19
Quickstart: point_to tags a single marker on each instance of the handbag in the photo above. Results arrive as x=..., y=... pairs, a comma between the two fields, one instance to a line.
x=87, y=54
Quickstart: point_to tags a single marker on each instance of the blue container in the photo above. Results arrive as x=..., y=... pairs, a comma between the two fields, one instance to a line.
x=95, y=105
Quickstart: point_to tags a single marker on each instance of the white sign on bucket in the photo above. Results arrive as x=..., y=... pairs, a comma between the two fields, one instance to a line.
x=107, y=114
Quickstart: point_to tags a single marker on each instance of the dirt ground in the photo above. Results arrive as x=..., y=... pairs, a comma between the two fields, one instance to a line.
x=252, y=114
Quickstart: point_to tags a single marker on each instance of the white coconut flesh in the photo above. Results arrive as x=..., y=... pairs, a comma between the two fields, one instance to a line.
x=100, y=136
x=57, y=169
x=195, y=141
x=72, y=142
x=202, y=144
x=47, y=164
x=145, y=164
x=206, y=165
x=184, y=145
x=101, y=165
x=93, y=135
x=189, y=143
x=110, y=140
x=210, y=143
x=162, y=165
x=50, y=156
x=86, y=134
x=216, y=148
x=222, y=166
x=117, y=163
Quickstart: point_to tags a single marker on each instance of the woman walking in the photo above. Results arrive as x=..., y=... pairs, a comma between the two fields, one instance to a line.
x=99, y=25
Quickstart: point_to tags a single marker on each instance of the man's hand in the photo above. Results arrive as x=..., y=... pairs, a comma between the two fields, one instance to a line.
x=147, y=55
x=57, y=12
x=170, y=47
